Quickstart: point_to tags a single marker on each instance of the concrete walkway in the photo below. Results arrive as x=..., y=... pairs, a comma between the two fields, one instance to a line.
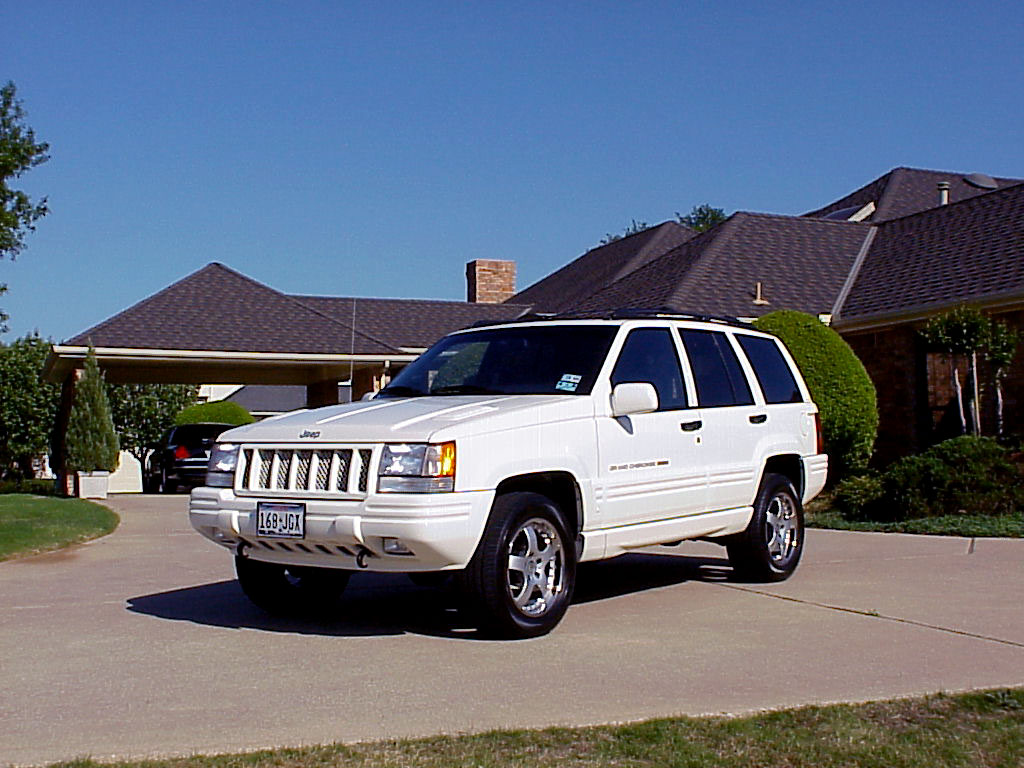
x=141, y=644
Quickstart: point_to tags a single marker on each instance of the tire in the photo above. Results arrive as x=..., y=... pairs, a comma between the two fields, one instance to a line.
x=523, y=573
x=770, y=548
x=284, y=590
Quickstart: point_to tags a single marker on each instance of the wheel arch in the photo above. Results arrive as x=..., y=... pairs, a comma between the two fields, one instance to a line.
x=558, y=485
x=790, y=466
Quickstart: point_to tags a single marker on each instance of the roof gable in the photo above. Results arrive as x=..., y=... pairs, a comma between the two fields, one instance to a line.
x=800, y=263
x=904, y=191
x=959, y=253
x=216, y=308
x=600, y=266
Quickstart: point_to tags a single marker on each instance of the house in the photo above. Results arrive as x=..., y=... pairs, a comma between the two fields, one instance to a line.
x=875, y=263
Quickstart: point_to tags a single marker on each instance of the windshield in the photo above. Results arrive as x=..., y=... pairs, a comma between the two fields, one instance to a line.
x=515, y=360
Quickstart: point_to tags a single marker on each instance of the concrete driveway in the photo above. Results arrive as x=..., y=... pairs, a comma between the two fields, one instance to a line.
x=142, y=644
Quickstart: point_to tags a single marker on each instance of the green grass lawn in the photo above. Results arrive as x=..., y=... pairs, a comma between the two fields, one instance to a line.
x=821, y=514
x=970, y=730
x=30, y=524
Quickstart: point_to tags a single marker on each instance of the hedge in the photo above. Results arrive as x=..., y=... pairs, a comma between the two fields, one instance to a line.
x=218, y=412
x=963, y=476
x=838, y=383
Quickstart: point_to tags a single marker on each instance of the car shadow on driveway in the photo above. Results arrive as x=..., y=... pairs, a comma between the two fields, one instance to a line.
x=376, y=604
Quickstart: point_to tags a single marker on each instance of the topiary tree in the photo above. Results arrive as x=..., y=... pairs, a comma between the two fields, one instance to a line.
x=219, y=412
x=1000, y=349
x=92, y=441
x=838, y=383
x=961, y=331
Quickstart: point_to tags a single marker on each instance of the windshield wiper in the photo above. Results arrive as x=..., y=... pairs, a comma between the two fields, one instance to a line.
x=401, y=391
x=465, y=389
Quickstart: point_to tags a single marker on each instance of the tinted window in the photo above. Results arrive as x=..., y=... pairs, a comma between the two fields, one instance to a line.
x=716, y=369
x=649, y=354
x=522, y=360
x=194, y=434
x=772, y=370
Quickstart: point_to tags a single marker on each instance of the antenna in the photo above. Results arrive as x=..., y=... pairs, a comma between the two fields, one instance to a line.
x=352, y=353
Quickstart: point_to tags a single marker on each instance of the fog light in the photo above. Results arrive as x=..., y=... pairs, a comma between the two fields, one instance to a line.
x=395, y=547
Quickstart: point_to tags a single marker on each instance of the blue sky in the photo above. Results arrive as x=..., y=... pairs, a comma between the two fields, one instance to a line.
x=372, y=149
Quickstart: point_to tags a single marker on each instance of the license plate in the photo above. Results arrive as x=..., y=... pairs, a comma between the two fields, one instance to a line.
x=279, y=520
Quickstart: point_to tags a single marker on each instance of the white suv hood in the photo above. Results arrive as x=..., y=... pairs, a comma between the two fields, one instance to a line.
x=418, y=419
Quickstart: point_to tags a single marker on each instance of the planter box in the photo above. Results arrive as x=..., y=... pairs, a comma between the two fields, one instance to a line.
x=91, y=485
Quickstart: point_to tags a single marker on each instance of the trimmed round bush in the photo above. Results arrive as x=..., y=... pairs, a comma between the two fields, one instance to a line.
x=218, y=412
x=839, y=385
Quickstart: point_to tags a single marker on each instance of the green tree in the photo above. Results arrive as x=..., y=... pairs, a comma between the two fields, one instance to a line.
x=839, y=384
x=19, y=152
x=28, y=405
x=143, y=412
x=702, y=217
x=92, y=441
x=961, y=332
x=635, y=227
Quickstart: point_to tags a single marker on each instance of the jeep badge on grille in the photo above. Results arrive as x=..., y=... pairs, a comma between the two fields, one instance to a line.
x=309, y=433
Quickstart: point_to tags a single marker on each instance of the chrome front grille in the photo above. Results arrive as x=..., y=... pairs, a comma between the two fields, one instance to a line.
x=335, y=471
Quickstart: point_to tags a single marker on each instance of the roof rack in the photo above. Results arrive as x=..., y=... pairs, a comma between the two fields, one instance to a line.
x=627, y=313
x=668, y=313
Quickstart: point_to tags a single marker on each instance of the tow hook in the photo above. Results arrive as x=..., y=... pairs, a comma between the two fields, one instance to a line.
x=361, y=557
x=240, y=549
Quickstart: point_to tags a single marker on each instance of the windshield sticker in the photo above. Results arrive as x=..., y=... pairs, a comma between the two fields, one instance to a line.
x=569, y=382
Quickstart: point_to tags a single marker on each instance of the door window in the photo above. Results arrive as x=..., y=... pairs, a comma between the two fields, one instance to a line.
x=649, y=355
x=716, y=369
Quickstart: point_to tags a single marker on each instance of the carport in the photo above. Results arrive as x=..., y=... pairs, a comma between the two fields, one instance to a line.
x=217, y=326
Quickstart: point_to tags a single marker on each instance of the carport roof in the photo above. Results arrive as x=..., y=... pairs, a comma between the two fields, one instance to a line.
x=217, y=324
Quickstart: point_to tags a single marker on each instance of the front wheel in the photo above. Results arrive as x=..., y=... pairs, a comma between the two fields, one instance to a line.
x=288, y=590
x=770, y=548
x=524, y=570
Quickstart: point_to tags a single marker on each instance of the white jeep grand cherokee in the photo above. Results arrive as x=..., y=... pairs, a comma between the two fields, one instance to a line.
x=514, y=451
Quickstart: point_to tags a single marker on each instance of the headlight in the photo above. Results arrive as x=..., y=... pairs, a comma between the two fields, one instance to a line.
x=220, y=472
x=417, y=468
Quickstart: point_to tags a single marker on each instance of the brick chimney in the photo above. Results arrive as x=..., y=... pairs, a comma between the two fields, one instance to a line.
x=489, y=281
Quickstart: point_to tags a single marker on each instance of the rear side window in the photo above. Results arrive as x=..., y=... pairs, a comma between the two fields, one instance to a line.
x=772, y=370
x=649, y=355
x=716, y=369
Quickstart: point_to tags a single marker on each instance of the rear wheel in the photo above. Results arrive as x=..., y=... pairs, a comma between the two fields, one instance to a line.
x=288, y=590
x=524, y=570
x=770, y=548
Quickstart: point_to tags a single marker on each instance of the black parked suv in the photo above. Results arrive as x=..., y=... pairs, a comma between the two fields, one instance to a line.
x=181, y=457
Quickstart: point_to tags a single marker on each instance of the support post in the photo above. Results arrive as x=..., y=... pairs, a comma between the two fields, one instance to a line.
x=321, y=393
x=59, y=438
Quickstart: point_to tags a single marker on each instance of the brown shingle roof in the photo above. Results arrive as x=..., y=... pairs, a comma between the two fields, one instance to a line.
x=600, y=266
x=219, y=309
x=903, y=191
x=801, y=264
x=962, y=252
x=216, y=308
x=410, y=323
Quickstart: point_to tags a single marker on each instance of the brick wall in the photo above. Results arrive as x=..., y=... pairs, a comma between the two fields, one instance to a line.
x=489, y=281
x=916, y=401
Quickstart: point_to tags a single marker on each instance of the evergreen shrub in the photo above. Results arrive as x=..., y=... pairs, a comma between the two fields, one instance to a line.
x=839, y=384
x=91, y=440
x=963, y=476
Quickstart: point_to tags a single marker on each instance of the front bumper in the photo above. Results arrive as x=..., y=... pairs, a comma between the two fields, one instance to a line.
x=441, y=530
